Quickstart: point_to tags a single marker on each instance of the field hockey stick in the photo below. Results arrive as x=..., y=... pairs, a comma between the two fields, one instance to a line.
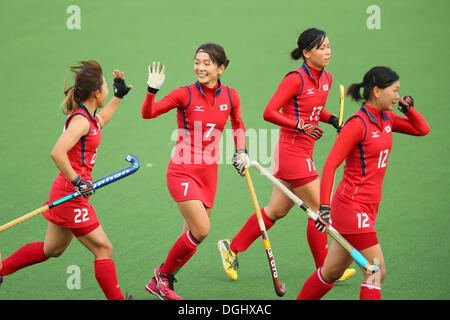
x=279, y=289
x=341, y=105
x=97, y=185
x=340, y=115
x=355, y=254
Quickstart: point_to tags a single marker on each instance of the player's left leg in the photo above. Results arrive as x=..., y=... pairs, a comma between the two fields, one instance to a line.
x=371, y=286
x=322, y=280
x=186, y=227
x=196, y=229
x=278, y=207
x=105, y=271
x=197, y=226
x=57, y=239
x=318, y=241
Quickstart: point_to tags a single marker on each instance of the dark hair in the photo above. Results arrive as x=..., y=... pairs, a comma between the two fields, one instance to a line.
x=88, y=78
x=308, y=39
x=381, y=77
x=216, y=53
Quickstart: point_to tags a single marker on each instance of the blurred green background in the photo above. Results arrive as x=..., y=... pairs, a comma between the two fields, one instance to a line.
x=138, y=214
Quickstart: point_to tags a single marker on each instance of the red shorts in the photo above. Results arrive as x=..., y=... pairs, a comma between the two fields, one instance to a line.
x=77, y=213
x=355, y=221
x=362, y=241
x=292, y=163
x=302, y=181
x=192, y=182
x=351, y=217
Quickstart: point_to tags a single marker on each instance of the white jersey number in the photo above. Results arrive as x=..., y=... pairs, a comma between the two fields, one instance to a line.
x=315, y=116
x=211, y=128
x=82, y=215
x=311, y=166
x=362, y=220
x=382, y=159
x=186, y=186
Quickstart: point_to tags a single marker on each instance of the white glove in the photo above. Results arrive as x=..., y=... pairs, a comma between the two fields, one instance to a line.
x=241, y=161
x=156, y=76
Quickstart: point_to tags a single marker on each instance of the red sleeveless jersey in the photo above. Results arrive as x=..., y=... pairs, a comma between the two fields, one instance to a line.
x=77, y=213
x=366, y=164
x=83, y=154
x=365, y=143
x=302, y=94
x=200, y=126
x=311, y=98
x=308, y=103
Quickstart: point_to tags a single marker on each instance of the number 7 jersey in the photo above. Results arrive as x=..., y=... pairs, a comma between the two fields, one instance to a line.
x=200, y=125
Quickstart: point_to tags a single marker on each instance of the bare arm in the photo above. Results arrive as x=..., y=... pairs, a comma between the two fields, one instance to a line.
x=78, y=127
x=110, y=108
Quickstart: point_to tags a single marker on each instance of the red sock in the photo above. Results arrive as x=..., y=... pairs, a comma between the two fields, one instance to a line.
x=249, y=232
x=369, y=292
x=182, y=250
x=315, y=287
x=186, y=259
x=105, y=273
x=28, y=255
x=318, y=243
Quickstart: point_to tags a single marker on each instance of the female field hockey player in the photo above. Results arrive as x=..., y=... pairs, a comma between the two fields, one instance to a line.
x=203, y=109
x=301, y=95
x=365, y=143
x=74, y=155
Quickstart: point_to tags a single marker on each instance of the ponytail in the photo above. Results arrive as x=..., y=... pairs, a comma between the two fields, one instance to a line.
x=88, y=78
x=70, y=103
x=308, y=39
x=296, y=54
x=354, y=92
x=381, y=77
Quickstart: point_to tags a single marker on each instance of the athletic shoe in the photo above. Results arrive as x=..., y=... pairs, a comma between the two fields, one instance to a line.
x=161, y=285
x=230, y=262
x=151, y=287
x=1, y=280
x=347, y=275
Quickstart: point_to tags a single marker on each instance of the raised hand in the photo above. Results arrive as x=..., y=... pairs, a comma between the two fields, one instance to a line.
x=156, y=77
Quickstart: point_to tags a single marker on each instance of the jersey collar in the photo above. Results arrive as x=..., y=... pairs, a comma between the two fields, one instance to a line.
x=83, y=107
x=306, y=69
x=199, y=88
x=371, y=116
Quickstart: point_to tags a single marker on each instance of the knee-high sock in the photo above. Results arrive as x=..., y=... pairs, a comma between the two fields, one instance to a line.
x=27, y=255
x=249, y=232
x=369, y=292
x=315, y=287
x=105, y=273
x=181, y=251
x=318, y=243
x=186, y=259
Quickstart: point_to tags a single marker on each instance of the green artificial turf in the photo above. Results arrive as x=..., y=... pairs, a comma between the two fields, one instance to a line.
x=138, y=214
